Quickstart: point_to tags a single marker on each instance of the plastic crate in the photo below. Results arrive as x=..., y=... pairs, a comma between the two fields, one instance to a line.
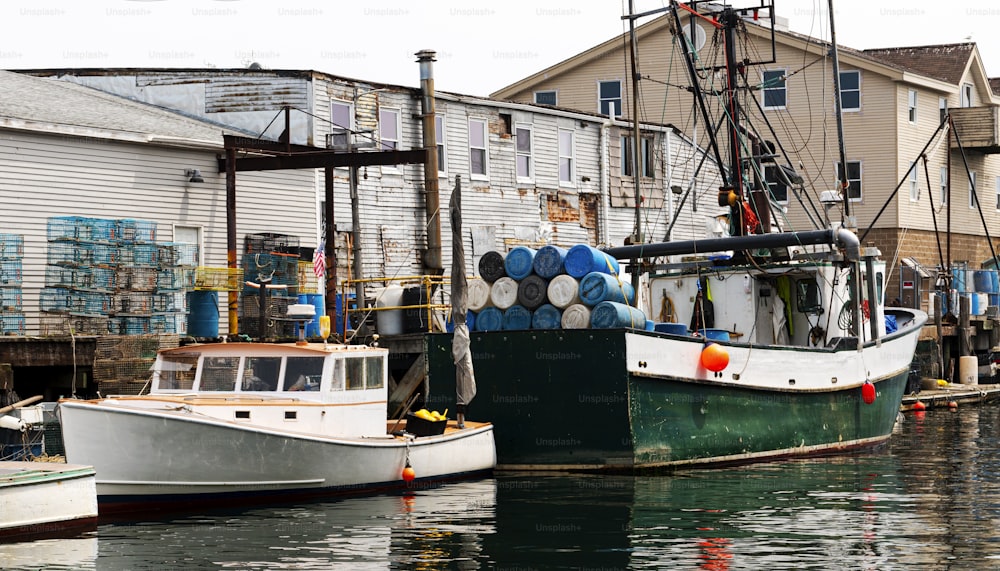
x=71, y=254
x=11, y=298
x=422, y=427
x=10, y=272
x=12, y=323
x=71, y=228
x=11, y=246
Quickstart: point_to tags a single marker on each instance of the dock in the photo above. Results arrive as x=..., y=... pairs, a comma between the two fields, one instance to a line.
x=958, y=393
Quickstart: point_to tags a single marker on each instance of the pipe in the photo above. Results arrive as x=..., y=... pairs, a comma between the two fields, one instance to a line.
x=840, y=236
x=432, y=200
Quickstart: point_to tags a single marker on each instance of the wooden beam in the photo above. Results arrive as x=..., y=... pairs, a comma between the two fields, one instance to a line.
x=413, y=378
x=323, y=159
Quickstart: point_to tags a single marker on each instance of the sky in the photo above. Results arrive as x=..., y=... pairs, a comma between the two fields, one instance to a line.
x=482, y=46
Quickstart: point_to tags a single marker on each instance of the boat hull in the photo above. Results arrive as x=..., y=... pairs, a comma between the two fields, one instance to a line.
x=627, y=400
x=42, y=499
x=145, y=457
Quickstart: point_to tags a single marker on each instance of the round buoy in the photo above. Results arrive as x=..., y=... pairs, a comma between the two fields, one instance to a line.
x=408, y=473
x=868, y=392
x=952, y=405
x=919, y=405
x=714, y=357
x=919, y=415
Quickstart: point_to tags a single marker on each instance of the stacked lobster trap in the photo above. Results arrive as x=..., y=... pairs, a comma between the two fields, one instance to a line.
x=11, y=296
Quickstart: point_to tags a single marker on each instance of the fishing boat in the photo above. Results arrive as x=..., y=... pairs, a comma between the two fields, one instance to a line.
x=234, y=422
x=767, y=343
x=46, y=499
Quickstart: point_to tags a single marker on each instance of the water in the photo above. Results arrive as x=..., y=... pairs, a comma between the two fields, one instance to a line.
x=930, y=500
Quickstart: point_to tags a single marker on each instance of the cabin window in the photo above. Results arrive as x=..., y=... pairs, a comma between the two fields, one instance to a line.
x=808, y=298
x=774, y=90
x=341, y=123
x=546, y=97
x=303, y=373
x=441, y=136
x=609, y=98
x=850, y=90
x=373, y=373
x=337, y=378
x=478, y=161
x=566, y=159
x=853, y=179
x=354, y=369
x=261, y=373
x=177, y=371
x=523, y=144
x=219, y=373
x=912, y=105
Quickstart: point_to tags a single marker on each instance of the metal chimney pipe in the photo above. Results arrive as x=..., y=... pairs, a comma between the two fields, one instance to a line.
x=432, y=200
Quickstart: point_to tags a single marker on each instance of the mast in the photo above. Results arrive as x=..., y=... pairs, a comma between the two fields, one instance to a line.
x=730, y=19
x=637, y=238
x=842, y=179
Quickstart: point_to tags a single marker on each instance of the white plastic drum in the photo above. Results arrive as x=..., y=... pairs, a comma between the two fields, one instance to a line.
x=478, y=295
x=504, y=293
x=564, y=291
x=390, y=322
x=576, y=316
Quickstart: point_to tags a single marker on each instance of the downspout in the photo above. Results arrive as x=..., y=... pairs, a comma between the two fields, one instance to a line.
x=603, y=222
x=432, y=201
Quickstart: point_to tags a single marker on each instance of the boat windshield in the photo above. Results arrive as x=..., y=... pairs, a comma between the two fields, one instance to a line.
x=177, y=371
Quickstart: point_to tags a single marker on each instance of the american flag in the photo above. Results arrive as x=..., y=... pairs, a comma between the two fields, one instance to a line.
x=319, y=261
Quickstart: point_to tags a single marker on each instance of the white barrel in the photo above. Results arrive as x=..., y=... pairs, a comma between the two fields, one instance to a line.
x=564, y=291
x=390, y=321
x=478, y=295
x=576, y=316
x=968, y=370
x=504, y=293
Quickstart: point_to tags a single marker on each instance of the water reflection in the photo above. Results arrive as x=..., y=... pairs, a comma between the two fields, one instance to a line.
x=928, y=501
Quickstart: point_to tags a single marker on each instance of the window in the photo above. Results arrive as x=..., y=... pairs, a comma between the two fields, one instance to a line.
x=776, y=183
x=648, y=157
x=187, y=249
x=914, y=183
x=523, y=143
x=998, y=193
x=774, y=89
x=354, y=369
x=850, y=90
x=912, y=105
x=261, y=373
x=303, y=373
x=808, y=298
x=966, y=95
x=942, y=108
x=627, y=161
x=441, y=136
x=477, y=148
x=972, y=189
x=374, y=372
x=566, y=162
x=944, y=186
x=177, y=371
x=546, y=97
x=219, y=374
x=609, y=98
x=388, y=129
x=853, y=179
x=342, y=123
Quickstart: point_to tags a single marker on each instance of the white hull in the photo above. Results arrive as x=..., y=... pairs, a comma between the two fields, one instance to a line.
x=41, y=498
x=142, y=454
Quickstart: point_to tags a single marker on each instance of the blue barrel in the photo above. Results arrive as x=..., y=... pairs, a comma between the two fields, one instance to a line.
x=614, y=315
x=672, y=328
x=650, y=325
x=338, y=318
x=470, y=322
x=550, y=261
x=203, y=314
x=518, y=262
x=516, y=318
x=315, y=300
x=547, y=316
x=714, y=334
x=583, y=259
x=489, y=319
x=596, y=287
x=995, y=276
x=983, y=281
x=958, y=279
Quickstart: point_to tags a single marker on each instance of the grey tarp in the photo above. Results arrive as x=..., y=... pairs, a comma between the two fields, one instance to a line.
x=465, y=378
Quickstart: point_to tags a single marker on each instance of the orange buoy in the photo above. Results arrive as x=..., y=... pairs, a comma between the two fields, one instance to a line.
x=868, y=392
x=714, y=357
x=920, y=414
x=919, y=405
x=952, y=404
x=408, y=473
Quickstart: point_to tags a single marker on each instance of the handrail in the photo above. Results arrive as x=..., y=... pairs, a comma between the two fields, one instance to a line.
x=430, y=284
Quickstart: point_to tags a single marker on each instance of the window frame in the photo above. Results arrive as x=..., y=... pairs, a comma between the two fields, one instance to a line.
x=914, y=182
x=199, y=243
x=843, y=107
x=998, y=194
x=943, y=196
x=942, y=108
x=571, y=157
x=911, y=105
x=859, y=179
x=337, y=129
x=601, y=99
x=555, y=96
x=518, y=153
x=485, y=148
x=440, y=135
x=973, y=198
x=765, y=90
x=966, y=94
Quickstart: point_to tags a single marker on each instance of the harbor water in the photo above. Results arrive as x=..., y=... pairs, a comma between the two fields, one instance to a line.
x=930, y=500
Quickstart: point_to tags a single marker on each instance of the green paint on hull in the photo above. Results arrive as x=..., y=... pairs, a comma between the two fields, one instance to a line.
x=564, y=399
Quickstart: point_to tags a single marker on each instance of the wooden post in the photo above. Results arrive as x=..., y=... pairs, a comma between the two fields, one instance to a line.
x=940, y=337
x=964, y=340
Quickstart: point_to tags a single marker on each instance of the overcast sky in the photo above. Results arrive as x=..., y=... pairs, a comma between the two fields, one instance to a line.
x=482, y=46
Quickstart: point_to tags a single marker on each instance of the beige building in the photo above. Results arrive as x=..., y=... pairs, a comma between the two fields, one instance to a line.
x=893, y=103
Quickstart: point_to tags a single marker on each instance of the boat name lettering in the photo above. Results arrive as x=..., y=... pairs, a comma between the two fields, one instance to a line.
x=557, y=356
x=557, y=442
x=601, y=399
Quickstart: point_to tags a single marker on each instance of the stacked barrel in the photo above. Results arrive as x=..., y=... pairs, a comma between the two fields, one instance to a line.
x=552, y=288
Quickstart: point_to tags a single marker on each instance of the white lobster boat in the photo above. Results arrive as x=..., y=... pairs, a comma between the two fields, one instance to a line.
x=43, y=499
x=227, y=422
